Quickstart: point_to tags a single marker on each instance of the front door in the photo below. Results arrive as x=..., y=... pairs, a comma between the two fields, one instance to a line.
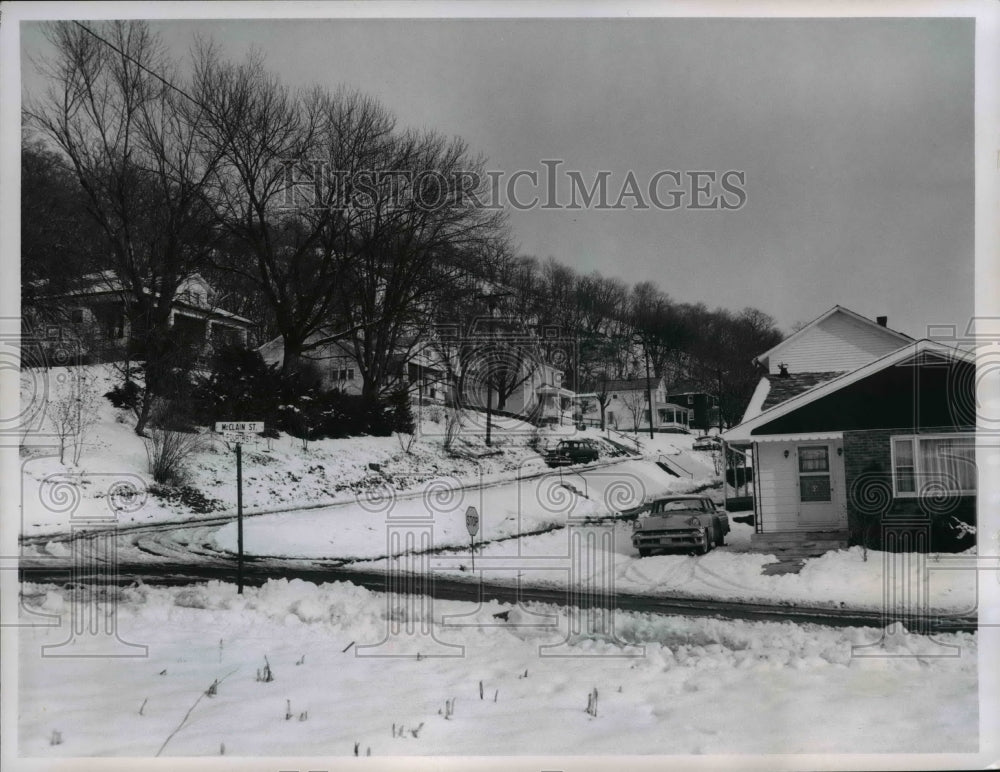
x=822, y=499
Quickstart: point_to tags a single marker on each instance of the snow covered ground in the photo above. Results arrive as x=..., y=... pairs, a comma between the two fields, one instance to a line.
x=667, y=685
x=531, y=504
x=564, y=503
x=278, y=474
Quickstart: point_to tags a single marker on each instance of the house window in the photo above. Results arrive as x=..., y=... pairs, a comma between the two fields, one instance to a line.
x=814, y=473
x=345, y=375
x=77, y=316
x=114, y=325
x=939, y=462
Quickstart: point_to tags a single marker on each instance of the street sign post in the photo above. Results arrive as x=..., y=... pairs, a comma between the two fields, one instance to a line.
x=472, y=524
x=237, y=433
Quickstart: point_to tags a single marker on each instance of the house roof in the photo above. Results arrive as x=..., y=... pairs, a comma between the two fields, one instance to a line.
x=687, y=387
x=743, y=431
x=902, y=337
x=783, y=389
x=629, y=384
x=107, y=282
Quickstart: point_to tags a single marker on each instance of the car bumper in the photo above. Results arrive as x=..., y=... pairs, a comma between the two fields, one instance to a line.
x=661, y=539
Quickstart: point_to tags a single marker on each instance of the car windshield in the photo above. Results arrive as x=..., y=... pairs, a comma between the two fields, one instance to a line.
x=680, y=505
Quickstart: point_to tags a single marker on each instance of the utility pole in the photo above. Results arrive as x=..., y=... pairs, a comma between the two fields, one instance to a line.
x=718, y=372
x=649, y=392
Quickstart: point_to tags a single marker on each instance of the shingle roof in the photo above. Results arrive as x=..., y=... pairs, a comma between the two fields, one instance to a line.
x=783, y=389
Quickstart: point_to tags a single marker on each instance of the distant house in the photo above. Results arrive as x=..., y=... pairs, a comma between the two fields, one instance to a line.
x=94, y=316
x=337, y=367
x=537, y=397
x=628, y=406
x=704, y=407
x=861, y=441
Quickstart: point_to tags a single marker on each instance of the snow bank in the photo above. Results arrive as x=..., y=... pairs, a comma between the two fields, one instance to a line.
x=484, y=686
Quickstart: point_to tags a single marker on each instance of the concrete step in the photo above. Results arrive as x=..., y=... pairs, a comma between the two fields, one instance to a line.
x=798, y=544
x=798, y=536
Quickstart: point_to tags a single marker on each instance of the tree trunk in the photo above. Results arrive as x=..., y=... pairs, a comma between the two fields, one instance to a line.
x=145, y=409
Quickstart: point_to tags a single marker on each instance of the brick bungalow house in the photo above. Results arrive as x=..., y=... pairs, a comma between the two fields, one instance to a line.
x=881, y=453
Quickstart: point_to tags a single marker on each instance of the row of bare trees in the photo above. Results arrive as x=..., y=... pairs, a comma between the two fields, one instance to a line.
x=606, y=329
x=196, y=169
x=219, y=168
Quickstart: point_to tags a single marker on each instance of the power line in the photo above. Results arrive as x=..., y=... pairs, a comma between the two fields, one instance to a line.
x=143, y=67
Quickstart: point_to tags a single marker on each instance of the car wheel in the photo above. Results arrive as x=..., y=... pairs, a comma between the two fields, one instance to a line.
x=644, y=553
x=720, y=540
x=706, y=543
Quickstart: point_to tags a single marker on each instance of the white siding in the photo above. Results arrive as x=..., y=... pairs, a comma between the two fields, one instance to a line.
x=839, y=342
x=778, y=488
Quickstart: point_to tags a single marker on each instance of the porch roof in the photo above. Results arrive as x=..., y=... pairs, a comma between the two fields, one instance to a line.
x=791, y=437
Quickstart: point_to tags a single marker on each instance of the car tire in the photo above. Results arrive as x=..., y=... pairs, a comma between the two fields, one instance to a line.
x=720, y=540
x=644, y=553
x=706, y=544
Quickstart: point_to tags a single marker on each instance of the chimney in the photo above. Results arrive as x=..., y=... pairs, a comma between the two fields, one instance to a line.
x=782, y=370
x=882, y=320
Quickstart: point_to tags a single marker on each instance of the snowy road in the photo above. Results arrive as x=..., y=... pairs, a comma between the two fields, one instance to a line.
x=530, y=529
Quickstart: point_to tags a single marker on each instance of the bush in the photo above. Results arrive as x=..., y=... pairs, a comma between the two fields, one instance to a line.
x=167, y=453
x=240, y=387
x=126, y=395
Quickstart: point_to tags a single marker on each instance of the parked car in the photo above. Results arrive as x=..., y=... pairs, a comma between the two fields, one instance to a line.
x=707, y=442
x=680, y=522
x=572, y=452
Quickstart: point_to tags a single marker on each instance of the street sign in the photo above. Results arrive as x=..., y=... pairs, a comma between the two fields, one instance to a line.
x=246, y=427
x=242, y=438
x=240, y=432
x=472, y=520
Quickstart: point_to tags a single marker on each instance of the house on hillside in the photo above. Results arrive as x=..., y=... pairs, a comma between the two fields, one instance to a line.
x=628, y=406
x=861, y=444
x=335, y=363
x=94, y=317
x=537, y=395
x=703, y=407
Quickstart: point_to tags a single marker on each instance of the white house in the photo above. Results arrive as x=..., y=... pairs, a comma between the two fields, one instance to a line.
x=627, y=406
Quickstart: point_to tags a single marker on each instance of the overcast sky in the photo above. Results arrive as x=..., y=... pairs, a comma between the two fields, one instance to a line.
x=856, y=138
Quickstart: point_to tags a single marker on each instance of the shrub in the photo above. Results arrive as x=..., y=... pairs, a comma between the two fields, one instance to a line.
x=125, y=395
x=240, y=387
x=168, y=452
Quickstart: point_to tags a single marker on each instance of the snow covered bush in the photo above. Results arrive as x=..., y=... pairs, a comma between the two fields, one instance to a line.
x=167, y=453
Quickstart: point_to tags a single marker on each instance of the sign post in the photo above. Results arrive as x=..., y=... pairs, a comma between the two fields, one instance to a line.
x=472, y=524
x=238, y=432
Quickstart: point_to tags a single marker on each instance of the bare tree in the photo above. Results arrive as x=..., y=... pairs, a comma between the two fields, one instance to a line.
x=635, y=402
x=284, y=248
x=129, y=138
x=414, y=236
